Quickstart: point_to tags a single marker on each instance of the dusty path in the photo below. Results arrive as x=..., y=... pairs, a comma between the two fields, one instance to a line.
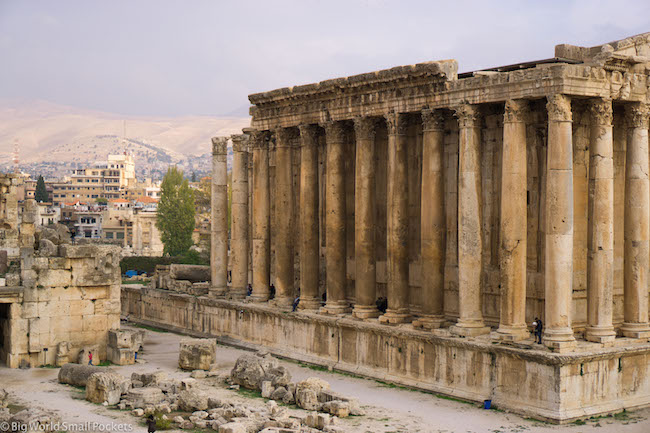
x=388, y=409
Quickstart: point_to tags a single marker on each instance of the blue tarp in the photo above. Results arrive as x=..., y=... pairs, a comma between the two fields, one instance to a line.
x=131, y=273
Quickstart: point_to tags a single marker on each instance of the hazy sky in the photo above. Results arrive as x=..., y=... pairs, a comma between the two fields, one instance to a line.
x=200, y=57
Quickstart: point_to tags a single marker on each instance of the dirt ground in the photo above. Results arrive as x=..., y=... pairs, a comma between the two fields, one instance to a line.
x=388, y=408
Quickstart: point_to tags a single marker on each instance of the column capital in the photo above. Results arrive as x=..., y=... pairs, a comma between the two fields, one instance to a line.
x=240, y=142
x=334, y=131
x=308, y=134
x=601, y=111
x=432, y=120
x=365, y=128
x=284, y=137
x=396, y=123
x=468, y=115
x=259, y=139
x=559, y=108
x=516, y=110
x=636, y=115
x=219, y=145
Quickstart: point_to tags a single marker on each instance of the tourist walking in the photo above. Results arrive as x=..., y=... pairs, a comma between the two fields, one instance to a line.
x=151, y=424
x=538, y=327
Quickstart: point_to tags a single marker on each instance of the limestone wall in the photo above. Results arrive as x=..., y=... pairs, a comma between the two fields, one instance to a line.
x=71, y=297
x=544, y=385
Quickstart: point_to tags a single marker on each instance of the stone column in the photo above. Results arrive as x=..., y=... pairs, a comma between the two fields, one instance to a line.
x=513, y=223
x=335, y=219
x=600, y=258
x=284, y=276
x=219, y=225
x=558, y=266
x=397, y=227
x=261, y=217
x=364, y=219
x=309, y=248
x=470, y=242
x=433, y=220
x=637, y=212
x=239, y=217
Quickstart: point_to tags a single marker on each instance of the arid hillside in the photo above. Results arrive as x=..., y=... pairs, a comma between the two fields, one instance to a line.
x=59, y=135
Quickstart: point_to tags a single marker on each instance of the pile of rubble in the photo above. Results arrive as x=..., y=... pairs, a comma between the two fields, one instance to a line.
x=262, y=372
x=28, y=419
x=194, y=406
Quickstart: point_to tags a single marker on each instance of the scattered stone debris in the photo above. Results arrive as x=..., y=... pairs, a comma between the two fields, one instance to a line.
x=155, y=393
x=30, y=419
x=263, y=373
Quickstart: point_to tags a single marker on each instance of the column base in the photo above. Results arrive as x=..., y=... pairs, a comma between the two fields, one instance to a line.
x=282, y=301
x=394, y=317
x=512, y=333
x=217, y=292
x=429, y=321
x=365, y=311
x=602, y=334
x=472, y=328
x=560, y=340
x=237, y=294
x=636, y=330
x=335, y=308
x=263, y=297
x=309, y=304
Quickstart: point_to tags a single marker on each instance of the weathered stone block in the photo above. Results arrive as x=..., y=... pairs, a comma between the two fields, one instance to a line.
x=54, y=277
x=47, y=248
x=197, y=354
x=120, y=356
x=106, y=387
x=94, y=323
x=194, y=273
x=141, y=397
x=251, y=370
x=82, y=308
x=232, y=427
x=191, y=400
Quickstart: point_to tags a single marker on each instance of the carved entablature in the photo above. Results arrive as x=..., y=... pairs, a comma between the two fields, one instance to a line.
x=559, y=108
x=468, y=115
x=396, y=123
x=335, y=131
x=601, y=111
x=309, y=134
x=219, y=145
x=432, y=120
x=286, y=137
x=360, y=90
x=365, y=128
x=636, y=115
x=516, y=110
x=240, y=142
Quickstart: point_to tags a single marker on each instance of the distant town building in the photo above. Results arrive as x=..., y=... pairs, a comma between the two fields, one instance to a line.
x=109, y=180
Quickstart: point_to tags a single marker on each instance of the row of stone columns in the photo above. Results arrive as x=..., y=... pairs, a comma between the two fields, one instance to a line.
x=558, y=275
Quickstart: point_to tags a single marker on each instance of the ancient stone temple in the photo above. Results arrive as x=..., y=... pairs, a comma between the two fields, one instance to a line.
x=473, y=203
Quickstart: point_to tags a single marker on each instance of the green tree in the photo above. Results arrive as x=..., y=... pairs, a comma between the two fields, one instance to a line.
x=175, y=213
x=193, y=176
x=101, y=200
x=41, y=194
